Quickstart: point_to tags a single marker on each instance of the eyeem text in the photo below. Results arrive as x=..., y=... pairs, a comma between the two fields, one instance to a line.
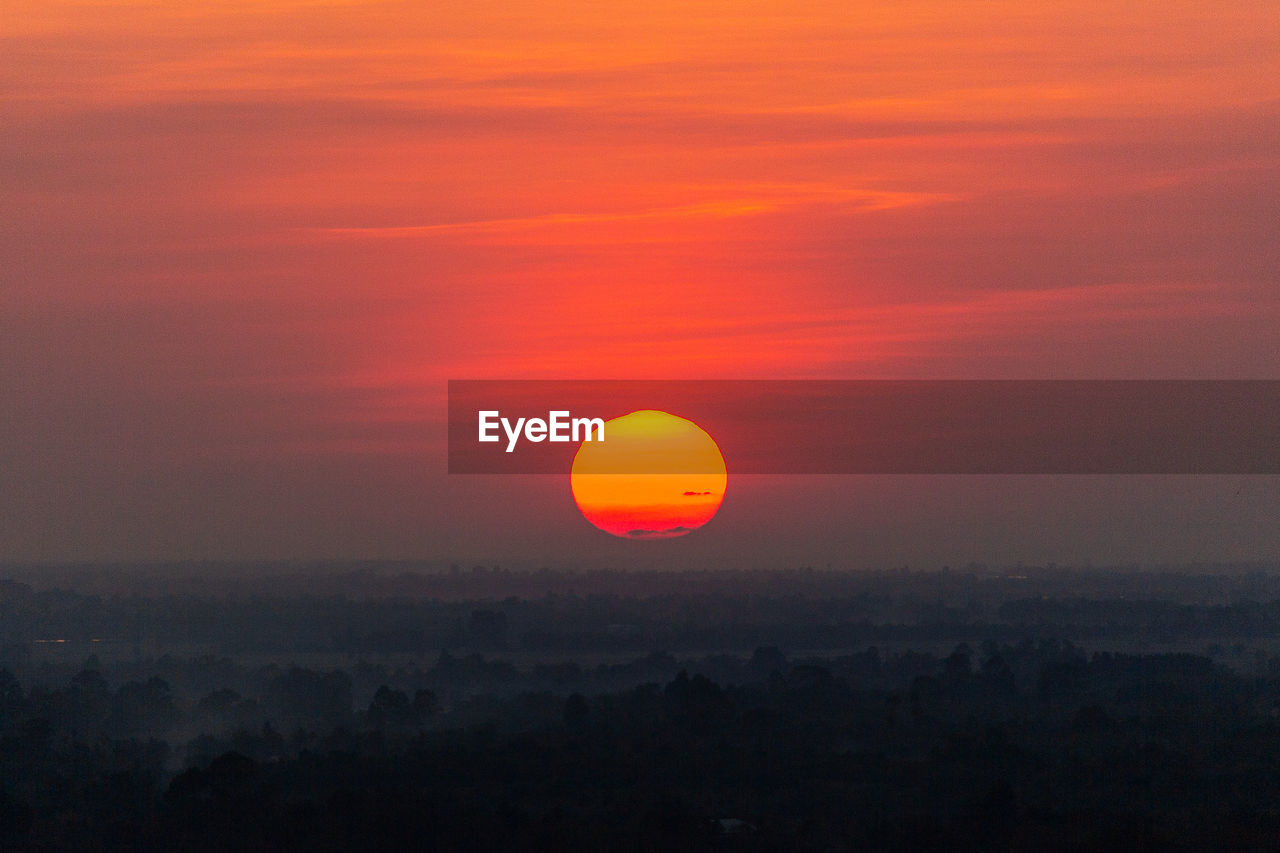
x=558, y=426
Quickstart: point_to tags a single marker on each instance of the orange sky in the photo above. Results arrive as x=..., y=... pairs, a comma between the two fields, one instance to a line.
x=246, y=243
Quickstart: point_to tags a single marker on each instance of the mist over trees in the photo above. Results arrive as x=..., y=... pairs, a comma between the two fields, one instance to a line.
x=974, y=709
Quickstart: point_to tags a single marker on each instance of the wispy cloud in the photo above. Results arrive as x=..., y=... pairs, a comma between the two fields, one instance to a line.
x=782, y=197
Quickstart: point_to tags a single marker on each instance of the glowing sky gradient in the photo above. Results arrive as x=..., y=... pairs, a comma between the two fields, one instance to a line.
x=245, y=244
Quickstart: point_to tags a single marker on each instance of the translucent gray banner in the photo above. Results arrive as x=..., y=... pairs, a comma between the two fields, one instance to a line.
x=886, y=426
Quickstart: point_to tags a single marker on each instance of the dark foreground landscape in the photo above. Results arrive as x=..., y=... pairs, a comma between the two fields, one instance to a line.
x=443, y=708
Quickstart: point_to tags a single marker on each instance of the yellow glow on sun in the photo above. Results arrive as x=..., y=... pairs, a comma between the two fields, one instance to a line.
x=655, y=476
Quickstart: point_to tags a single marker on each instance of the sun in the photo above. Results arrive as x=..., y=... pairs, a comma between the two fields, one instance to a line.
x=654, y=476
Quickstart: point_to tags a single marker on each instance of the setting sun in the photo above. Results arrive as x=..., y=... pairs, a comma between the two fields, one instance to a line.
x=655, y=476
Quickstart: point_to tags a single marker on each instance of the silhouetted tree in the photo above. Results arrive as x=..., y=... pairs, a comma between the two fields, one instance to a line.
x=576, y=712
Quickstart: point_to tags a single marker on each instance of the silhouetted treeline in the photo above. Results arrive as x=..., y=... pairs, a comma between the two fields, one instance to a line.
x=1034, y=745
x=799, y=609
x=1194, y=583
x=895, y=711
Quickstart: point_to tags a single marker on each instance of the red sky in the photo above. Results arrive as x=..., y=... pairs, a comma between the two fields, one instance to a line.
x=245, y=244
